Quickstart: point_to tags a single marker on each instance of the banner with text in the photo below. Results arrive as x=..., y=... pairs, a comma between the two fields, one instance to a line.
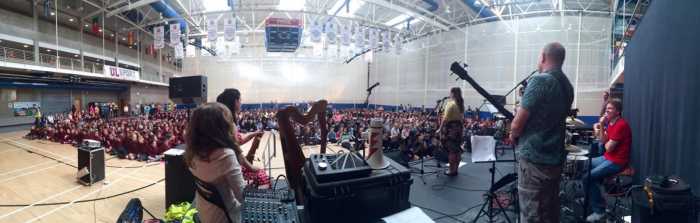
x=229, y=28
x=121, y=73
x=174, y=34
x=212, y=30
x=158, y=37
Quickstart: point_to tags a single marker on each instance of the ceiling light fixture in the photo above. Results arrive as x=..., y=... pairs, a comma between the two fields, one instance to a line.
x=52, y=13
x=71, y=19
x=48, y=50
x=26, y=46
x=86, y=25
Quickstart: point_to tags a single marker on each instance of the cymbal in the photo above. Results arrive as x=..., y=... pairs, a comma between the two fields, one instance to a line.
x=572, y=148
x=575, y=122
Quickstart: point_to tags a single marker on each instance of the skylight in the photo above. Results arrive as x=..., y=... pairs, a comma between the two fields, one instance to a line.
x=344, y=12
x=291, y=5
x=396, y=20
x=215, y=5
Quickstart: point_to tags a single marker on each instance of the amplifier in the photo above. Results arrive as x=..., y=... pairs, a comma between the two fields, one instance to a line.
x=91, y=165
x=363, y=199
x=268, y=205
x=179, y=182
x=332, y=167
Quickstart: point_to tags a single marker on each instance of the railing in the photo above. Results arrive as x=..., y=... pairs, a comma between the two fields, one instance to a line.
x=93, y=67
x=16, y=55
x=48, y=60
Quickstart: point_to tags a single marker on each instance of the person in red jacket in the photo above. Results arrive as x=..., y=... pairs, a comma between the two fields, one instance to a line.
x=616, y=135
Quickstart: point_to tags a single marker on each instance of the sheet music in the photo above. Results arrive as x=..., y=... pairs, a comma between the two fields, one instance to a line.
x=483, y=148
x=411, y=215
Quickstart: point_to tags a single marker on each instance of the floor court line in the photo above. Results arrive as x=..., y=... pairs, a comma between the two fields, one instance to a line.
x=42, y=150
x=48, y=198
x=84, y=196
x=29, y=167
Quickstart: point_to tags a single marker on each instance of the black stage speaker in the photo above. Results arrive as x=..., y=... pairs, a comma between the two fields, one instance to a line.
x=361, y=199
x=642, y=213
x=179, y=183
x=91, y=164
x=192, y=89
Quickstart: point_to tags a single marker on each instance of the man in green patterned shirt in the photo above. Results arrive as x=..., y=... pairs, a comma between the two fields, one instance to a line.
x=538, y=131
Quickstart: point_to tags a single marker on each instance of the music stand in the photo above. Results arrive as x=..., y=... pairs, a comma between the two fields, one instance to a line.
x=484, y=151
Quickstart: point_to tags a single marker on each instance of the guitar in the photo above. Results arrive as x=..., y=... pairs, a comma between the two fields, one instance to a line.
x=457, y=69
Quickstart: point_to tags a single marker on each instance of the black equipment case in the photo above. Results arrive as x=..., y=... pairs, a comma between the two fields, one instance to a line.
x=364, y=199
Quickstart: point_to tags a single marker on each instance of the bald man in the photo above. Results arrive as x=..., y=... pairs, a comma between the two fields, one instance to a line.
x=538, y=131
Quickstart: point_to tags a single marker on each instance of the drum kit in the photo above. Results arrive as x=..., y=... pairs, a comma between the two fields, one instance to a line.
x=576, y=163
x=571, y=190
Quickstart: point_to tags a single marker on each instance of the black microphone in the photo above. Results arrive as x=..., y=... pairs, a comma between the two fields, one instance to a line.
x=373, y=86
x=440, y=100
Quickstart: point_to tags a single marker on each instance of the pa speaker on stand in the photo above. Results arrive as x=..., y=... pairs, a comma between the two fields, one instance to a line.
x=188, y=90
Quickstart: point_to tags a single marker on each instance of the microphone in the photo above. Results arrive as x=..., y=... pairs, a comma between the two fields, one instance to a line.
x=440, y=100
x=373, y=86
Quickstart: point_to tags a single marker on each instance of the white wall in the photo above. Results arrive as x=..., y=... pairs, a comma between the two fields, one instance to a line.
x=498, y=54
x=281, y=79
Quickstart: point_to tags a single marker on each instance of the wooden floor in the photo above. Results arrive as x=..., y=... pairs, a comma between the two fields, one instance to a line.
x=28, y=178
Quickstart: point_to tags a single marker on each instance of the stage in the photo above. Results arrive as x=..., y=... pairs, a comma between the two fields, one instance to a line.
x=31, y=175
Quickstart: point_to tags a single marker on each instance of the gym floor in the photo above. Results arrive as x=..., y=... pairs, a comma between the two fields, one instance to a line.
x=31, y=176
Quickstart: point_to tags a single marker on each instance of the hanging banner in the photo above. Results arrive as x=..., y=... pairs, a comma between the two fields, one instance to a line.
x=315, y=32
x=212, y=30
x=130, y=38
x=331, y=32
x=373, y=39
x=229, y=28
x=386, y=41
x=359, y=37
x=345, y=35
x=398, y=44
x=174, y=34
x=158, y=35
x=179, y=54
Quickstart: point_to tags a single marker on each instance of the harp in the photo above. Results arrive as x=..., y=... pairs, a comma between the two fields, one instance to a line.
x=293, y=156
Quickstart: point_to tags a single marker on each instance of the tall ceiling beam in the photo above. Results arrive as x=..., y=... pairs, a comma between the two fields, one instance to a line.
x=186, y=15
x=130, y=6
x=268, y=10
x=101, y=9
x=431, y=14
x=408, y=12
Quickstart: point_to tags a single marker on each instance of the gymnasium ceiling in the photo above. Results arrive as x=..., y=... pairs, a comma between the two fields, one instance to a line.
x=413, y=18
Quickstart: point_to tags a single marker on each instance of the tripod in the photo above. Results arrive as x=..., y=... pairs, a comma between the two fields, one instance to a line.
x=487, y=208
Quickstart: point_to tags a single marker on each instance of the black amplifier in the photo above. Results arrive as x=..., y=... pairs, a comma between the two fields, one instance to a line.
x=363, y=199
x=268, y=205
x=343, y=166
x=91, y=164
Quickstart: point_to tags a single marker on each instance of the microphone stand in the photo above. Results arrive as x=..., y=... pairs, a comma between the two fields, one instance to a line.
x=520, y=83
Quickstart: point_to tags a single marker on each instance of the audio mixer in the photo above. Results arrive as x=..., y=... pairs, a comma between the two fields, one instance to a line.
x=269, y=206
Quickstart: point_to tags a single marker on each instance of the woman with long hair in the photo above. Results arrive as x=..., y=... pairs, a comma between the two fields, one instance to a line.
x=451, y=126
x=211, y=155
x=231, y=98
